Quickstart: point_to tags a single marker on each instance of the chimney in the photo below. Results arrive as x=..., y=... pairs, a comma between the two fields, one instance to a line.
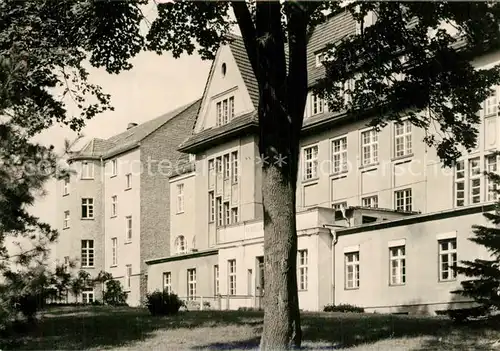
x=131, y=125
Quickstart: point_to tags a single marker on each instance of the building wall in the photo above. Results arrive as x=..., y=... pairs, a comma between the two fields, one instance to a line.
x=128, y=204
x=183, y=223
x=423, y=287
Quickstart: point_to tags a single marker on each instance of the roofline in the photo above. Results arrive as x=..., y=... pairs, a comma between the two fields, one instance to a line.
x=455, y=212
x=182, y=257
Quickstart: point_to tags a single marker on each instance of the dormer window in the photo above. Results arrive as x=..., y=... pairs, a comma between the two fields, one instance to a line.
x=320, y=57
x=225, y=111
x=317, y=105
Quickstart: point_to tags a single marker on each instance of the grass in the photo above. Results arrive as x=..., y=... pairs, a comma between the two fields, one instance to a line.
x=97, y=328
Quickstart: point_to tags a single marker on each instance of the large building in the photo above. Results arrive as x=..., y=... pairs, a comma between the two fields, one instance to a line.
x=380, y=221
x=115, y=207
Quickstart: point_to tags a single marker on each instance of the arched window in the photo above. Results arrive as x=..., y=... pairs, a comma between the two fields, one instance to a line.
x=180, y=244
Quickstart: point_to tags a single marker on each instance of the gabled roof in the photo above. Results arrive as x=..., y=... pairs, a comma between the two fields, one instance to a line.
x=132, y=137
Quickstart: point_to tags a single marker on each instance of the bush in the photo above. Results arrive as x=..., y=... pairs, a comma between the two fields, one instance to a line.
x=114, y=294
x=162, y=303
x=343, y=308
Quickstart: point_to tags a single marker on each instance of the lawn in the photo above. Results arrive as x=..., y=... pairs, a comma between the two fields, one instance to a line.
x=97, y=328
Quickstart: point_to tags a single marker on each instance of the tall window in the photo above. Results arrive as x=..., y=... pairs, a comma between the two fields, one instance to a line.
x=128, y=221
x=227, y=215
x=128, y=181
x=180, y=198
x=66, y=185
x=352, y=270
x=403, y=200
x=87, y=208
x=211, y=206
x=180, y=244
x=218, y=112
x=474, y=181
x=114, y=167
x=66, y=220
x=491, y=187
x=447, y=259
x=302, y=267
x=114, y=251
x=460, y=184
x=220, y=213
x=402, y=138
x=234, y=215
x=218, y=165
x=234, y=164
x=87, y=259
x=491, y=104
x=87, y=170
x=370, y=201
x=339, y=155
x=114, y=205
x=231, y=108
x=88, y=295
x=167, y=282
x=216, y=280
x=191, y=275
x=232, y=277
x=317, y=104
x=224, y=111
x=226, y=166
x=310, y=162
x=128, y=276
x=369, y=143
x=397, y=265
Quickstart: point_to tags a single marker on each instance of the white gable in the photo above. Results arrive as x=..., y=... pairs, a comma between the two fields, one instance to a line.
x=221, y=86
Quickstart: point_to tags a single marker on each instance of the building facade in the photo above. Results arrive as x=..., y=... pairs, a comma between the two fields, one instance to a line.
x=380, y=221
x=114, y=206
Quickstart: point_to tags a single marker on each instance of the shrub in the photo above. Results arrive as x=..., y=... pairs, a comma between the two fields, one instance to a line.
x=161, y=303
x=343, y=308
x=114, y=294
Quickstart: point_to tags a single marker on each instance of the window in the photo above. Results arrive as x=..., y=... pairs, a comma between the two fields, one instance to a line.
x=128, y=180
x=338, y=205
x=114, y=167
x=460, y=184
x=87, y=253
x=224, y=111
x=220, y=214
x=88, y=295
x=232, y=277
x=369, y=143
x=397, y=265
x=226, y=166
x=128, y=276
x=403, y=200
x=66, y=220
x=370, y=201
x=167, y=282
x=218, y=165
x=302, y=266
x=320, y=57
x=491, y=187
x=180, y=198
x=180, y=244
x=234, y=215
x=211, y=206
x=216, y=280
x=87, y=170
x=402, y=138
x=352, y=270
x=227, y=215
x=491, y=104
x=234, y=165
x=191, y=273
x=310, y=162
x=128, y=221
x=114, y=251
x=474, y=181
x=447, y=259
x=65, y=186
x=87, y=208
x=114, y=205
x=317, y=105
x=339, y=155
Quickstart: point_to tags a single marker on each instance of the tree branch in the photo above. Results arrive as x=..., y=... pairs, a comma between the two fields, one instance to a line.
x=248, y=32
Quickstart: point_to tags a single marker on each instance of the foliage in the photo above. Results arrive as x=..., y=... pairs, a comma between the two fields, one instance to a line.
x=484, y=288
x=81, y=281
x=114, y=294
x=161, y=303
x=343, y=308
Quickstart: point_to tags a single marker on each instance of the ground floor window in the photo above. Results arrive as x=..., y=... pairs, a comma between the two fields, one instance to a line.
x=191, y=275
x=88, y=295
